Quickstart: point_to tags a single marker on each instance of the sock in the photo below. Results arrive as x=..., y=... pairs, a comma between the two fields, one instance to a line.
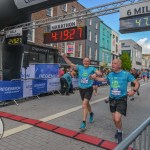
x=84, y=122
x=119, y=130
x=91, y=113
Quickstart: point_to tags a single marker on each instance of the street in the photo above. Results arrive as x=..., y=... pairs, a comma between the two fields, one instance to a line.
x=66, y=112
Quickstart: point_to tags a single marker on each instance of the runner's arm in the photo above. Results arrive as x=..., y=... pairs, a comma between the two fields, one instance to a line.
x=68, y=61
x=134, y=90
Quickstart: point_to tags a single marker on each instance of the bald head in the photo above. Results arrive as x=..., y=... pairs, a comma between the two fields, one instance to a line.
x=116, y=65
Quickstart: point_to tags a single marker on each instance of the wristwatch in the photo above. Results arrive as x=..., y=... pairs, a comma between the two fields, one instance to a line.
x=134, y=90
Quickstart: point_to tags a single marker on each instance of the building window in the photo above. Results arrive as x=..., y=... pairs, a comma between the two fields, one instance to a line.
x=31, y=35
x=48, y=28
x=33, y=57
x=96, y=26
x=113, y=36
x=50, y=58
x=73, y=9
x=95, y=38
x=107, y=57
x=64, y=7
x=89, y=51
x=63, y=47
x=116, y=39
x=103, y=56
x=80, y=50
x=96, y=54
x=42, y=58
x=90, y=35
x=90, y=22
x=49, y=12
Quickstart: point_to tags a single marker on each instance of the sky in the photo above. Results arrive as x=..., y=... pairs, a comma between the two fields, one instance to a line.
x=112, y=20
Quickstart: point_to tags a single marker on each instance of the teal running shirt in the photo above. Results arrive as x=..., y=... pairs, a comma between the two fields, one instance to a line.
x=84, y=76
x=118, y=83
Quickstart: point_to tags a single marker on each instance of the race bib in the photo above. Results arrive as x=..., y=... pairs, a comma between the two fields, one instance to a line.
x=116, y=92
x=84, y=80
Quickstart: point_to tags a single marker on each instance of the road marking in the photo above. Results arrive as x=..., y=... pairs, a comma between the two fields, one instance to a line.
x=48, y=118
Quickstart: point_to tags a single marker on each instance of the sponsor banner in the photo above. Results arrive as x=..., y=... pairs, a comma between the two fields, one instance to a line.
x=11, y=90
x=28, y=73
x=39, y=86
x=14, y=33
x=53, y=84
x=70, y=49
x=46, y=70
x=26, y=3
x=27, y=88
x=64, y=24
x=75, y=82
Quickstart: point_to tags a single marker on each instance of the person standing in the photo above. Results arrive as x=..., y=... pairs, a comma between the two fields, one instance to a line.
x=118, y=80
x=86, y=74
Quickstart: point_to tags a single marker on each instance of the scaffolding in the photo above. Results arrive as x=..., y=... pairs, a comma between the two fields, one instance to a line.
x=100, y=10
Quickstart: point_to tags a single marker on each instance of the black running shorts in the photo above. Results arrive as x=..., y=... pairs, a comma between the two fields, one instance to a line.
x=86, y=93
x=119, y=105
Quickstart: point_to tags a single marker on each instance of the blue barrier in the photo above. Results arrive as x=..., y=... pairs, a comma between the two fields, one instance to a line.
x=11, y=90
x=17, y=89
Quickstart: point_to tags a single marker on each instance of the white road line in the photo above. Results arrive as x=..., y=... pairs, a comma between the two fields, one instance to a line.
x=48, y=118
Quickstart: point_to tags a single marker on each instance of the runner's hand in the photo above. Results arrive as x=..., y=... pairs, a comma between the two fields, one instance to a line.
x=130, y=93
x=93, y=76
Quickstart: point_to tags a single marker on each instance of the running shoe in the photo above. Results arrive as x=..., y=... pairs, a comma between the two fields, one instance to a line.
x=119, y=137
x=83, y=125
x=91, y=117
x=132, y=99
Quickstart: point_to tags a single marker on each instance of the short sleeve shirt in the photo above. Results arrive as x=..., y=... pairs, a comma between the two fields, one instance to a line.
x=118, y=83
x=84, y=76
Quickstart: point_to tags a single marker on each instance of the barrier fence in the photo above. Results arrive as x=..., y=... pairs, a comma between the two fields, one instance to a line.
x=139, y=139
x=18, y=89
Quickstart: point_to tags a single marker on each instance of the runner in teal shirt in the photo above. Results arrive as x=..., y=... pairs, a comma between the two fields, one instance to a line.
x=84, y=76
x=118, y=80
x=118, y=83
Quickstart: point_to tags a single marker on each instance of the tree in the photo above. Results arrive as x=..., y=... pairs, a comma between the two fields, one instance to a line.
x=126, y=61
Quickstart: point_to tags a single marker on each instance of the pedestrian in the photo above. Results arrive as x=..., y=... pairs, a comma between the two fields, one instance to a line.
x=66, y=81
x=118, y=80
x=136, y=76
x=86, y=74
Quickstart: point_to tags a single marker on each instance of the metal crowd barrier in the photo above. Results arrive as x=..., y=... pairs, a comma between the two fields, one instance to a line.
x=139, y=139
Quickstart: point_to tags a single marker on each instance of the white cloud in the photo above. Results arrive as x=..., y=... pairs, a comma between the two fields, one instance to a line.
x=145, y=43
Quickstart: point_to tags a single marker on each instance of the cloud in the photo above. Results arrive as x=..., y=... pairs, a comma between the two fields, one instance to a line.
x=145, y=43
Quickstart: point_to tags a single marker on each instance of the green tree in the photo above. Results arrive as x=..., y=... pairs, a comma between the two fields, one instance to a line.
x=126, y=61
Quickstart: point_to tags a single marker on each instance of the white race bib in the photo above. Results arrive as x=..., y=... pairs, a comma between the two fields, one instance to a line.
x=84, y=80
x=116, y=92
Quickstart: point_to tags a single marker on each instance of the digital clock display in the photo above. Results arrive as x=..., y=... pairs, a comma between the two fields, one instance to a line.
x=71, y=34
x=135, y=24
x=13, y=41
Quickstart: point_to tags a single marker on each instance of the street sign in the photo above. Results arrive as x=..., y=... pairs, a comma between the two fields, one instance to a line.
x=135, y=9
x=63, y=24
x=14, y=33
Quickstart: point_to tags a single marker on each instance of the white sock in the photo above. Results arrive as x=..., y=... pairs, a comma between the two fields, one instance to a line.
x=119, y=130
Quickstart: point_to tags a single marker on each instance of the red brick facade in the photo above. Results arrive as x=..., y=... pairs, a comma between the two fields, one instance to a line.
x=58, y=11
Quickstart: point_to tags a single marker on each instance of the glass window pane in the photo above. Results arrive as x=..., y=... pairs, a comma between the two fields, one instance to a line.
x=50, y=58
x=42, y=58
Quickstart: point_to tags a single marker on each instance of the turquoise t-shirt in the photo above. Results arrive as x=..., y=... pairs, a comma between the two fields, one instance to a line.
x=118, y=83
x=84, y=73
